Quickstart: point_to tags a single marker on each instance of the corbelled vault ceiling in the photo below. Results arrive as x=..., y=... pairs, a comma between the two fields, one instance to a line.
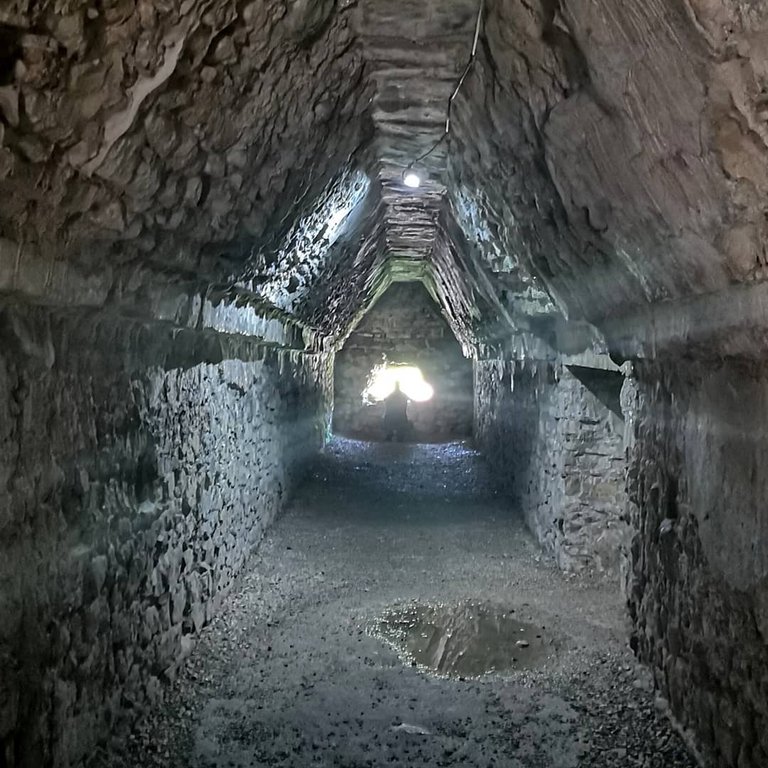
x=606, y=160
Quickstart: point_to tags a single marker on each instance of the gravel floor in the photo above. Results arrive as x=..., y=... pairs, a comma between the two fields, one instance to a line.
x=290, y=673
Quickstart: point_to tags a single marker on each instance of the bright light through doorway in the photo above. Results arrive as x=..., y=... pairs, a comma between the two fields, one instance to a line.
x=412, y=384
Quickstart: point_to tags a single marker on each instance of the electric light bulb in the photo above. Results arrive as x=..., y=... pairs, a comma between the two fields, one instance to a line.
x=412, y=180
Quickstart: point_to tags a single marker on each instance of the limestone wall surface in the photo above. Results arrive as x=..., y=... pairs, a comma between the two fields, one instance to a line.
x=139, y=466
x=698, y=587
x=405, y=326
x=558, y=450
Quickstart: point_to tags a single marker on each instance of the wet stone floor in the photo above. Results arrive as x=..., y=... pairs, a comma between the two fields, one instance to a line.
x=469, y=639
x=399, y=614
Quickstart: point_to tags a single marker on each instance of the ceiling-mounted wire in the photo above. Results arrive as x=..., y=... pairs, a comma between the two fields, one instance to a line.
x=456, y=90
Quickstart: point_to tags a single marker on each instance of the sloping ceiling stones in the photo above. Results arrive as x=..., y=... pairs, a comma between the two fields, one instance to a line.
x=604, y=158
x=618, y=151
x=172, y=128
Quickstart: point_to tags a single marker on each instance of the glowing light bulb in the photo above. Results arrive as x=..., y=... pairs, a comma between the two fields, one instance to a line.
x=412, y=180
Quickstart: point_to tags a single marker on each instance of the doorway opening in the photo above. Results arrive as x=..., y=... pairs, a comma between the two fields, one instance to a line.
x=404, y=341
x=387, y=377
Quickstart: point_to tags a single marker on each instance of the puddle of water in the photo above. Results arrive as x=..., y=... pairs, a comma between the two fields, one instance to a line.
x=465, y=640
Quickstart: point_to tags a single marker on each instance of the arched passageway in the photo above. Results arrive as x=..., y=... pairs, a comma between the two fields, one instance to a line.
x=203, y=207
x=404, y=329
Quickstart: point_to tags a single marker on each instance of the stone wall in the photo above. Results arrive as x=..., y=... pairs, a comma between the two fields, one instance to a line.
x=139, y=465
x=698, y=586
x=558, y=450
x=404, y=326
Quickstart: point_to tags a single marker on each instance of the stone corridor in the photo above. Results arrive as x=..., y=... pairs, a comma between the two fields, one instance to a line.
x=222, y=222
x=291, y=674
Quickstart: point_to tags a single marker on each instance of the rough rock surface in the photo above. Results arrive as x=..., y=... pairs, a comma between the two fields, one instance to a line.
x=557, y=448
x=166, y=129
x=139, y=467
x=581, y=175
x=616, y=154
x=698, y=588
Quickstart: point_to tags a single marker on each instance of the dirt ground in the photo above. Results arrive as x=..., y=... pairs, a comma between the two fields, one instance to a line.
x=292, y=673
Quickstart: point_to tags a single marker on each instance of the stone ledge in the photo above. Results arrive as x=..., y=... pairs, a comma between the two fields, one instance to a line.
x=25, y=276
x=732, y=322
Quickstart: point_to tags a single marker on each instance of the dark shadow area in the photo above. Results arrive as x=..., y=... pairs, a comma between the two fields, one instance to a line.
x=604, y=385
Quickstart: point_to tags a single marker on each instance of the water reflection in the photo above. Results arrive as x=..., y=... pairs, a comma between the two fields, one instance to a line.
x=466, y=640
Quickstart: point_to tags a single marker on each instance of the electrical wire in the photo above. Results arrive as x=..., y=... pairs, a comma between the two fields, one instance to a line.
x=456, y=90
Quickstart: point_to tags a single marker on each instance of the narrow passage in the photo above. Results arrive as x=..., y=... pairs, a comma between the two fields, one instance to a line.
x=293, y=672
